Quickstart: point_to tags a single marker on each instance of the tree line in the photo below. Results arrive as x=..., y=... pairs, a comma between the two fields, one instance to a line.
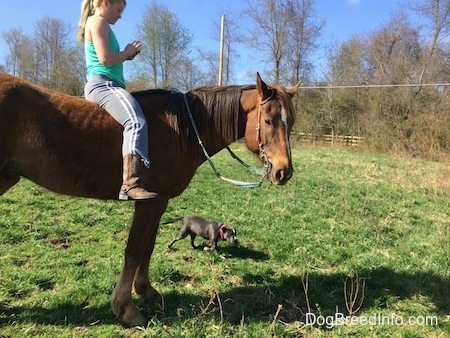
x=285, y=36
x=289, y=32
x=391, y=105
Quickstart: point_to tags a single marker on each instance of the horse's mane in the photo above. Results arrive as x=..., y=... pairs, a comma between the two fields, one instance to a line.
x=286, y=101
x=218, y=111
x=215, y=110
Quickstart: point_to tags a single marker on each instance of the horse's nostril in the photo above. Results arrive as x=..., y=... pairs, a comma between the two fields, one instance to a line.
x=279, y=175
x=282, y=176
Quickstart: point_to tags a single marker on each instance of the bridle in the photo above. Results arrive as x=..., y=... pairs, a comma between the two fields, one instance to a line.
x=262, y=155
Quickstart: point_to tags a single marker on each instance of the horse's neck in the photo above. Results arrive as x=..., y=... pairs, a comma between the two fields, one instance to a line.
x=221, y=124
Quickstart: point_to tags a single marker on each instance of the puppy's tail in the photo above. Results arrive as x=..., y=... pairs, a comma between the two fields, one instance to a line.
x=171, y=221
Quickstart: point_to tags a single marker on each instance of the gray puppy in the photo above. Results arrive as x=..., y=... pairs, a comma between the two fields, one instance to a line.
x=210, y=230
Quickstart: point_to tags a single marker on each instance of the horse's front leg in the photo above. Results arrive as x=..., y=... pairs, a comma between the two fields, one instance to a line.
x=141, y=284
x=143, y=230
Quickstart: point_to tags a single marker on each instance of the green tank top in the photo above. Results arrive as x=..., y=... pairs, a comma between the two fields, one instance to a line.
x=94, y=67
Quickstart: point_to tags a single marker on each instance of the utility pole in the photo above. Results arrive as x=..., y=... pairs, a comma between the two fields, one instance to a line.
x=221, y=50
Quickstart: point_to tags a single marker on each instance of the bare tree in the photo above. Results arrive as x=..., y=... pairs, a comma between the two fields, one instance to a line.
x=43, y=58
x=51, y=40
x=269, y=34
x=341, y=107
x=345, y=63
x=394, y=52
x=284, y=32
x=437, y=13
x=13, y=38
x=189, y=75
x=211, y=70
x=165, y=46
x=304, y=32
x=28, y=60
x=71, y=79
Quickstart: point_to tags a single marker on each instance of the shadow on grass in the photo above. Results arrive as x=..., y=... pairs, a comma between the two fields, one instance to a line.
x=62, y=315
x=256, y=302
x=243, y=253
x=228, y=251
x=259, y=301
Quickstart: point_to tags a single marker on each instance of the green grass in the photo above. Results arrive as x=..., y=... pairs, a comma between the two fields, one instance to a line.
x=345, y=216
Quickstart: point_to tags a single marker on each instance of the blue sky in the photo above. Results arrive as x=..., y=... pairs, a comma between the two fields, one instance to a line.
x=343, y=19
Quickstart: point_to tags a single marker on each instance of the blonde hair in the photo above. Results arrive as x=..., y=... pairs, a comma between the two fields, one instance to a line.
x=88, y=8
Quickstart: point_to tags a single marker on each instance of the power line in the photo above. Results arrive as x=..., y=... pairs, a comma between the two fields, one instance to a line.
x=376, y=86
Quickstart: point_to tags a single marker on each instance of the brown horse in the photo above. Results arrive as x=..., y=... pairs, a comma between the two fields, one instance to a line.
x=73, y=147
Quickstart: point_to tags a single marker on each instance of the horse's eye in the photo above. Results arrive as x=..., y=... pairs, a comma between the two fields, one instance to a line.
x=268, y=122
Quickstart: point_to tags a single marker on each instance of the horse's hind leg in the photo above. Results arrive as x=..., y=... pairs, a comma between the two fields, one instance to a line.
x=8, y=178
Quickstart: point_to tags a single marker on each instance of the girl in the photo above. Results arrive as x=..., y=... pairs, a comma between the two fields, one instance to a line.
x=106, y=86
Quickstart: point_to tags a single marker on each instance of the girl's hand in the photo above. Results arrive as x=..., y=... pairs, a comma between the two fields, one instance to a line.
x=133, y=56
x=133, y=49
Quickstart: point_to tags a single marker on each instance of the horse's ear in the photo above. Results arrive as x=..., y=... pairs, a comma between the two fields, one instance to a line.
x=263, y=90
x=293, y=90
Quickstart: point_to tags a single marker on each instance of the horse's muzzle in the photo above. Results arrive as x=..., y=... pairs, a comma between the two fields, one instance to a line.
x=280, y=175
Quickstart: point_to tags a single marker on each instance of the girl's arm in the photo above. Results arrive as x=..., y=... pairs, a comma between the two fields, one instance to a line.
x=99, y=31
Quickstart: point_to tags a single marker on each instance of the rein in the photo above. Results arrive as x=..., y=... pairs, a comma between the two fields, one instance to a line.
x=216, y=172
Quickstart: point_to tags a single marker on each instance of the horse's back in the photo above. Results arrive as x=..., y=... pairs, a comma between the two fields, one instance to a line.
x=61, y=142
x=67, y=143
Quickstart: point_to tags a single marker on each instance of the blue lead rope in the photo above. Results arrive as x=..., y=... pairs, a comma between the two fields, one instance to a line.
x=216, y=172
x=245, y=165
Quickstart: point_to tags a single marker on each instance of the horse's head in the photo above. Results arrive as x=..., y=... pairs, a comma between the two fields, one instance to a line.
x=268, y=128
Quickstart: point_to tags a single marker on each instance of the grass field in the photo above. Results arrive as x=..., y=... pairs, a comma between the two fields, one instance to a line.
x=353, y=233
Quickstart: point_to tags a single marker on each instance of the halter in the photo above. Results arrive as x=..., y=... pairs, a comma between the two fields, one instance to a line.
x=262, y=154
x=260, y=146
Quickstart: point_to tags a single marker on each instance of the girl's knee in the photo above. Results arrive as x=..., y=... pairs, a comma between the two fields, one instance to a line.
x=134, y=125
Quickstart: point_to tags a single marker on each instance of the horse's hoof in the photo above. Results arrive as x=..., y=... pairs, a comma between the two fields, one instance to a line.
x=135, y=320
x=129, y=315
x=147, y=292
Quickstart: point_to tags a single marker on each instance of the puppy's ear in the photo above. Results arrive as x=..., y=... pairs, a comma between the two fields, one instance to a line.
x=229, y=228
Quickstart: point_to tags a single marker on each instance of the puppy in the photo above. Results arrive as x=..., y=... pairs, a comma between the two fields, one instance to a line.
x=209, y=230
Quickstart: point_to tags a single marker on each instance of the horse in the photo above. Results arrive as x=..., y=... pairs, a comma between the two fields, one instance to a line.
x=67, y=144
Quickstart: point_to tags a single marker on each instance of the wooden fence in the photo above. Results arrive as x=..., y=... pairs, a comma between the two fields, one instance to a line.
x=347, y=140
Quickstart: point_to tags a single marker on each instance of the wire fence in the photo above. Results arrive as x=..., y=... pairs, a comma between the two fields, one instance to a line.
x=415, y=85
